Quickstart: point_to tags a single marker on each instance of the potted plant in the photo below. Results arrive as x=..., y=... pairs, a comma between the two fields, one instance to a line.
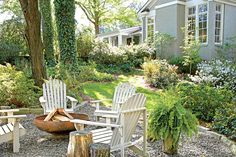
x=169, y=119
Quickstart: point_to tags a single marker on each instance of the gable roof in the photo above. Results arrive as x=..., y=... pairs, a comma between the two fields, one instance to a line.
x=147, y=4
x=127, y=31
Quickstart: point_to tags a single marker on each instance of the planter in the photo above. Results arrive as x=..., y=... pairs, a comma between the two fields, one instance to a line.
x=57, y=127
x=169, y=147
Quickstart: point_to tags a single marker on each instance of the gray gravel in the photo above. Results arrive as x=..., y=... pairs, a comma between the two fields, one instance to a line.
x=37, y=143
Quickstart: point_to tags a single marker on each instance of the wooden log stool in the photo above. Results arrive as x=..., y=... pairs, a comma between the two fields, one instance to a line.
x=99, y=150
x=79, y=144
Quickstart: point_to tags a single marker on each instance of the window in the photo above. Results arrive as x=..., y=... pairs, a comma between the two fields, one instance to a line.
x=202, y=15
x=136, y=39
x=106, y=40
x=218, y=24
x=197, y=22
x=150, y=28
x=128, y=41
x=191, y=23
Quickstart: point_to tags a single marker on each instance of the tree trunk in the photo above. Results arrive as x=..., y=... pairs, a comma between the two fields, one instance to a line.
x=79, y=144
x=169, y=147
x=99, y=150
x=33, y=36
x=96, y=26
x=45, y=8
x=64, y=14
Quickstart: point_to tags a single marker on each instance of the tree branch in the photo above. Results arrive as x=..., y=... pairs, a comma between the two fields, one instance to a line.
x=85, y=10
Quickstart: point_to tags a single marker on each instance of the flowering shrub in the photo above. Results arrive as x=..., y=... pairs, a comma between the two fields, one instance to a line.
x=159, y=73
x=125, y=57
x=217, y=73
x=137, y=53
x=103, y=53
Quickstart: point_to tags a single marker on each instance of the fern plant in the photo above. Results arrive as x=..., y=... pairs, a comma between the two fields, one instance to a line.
x=169, y=119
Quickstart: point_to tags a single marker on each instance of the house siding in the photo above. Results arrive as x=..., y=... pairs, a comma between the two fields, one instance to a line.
x=171, y=20
x=167, y=23
x=180, y=26
x=229, y=22
x=144, y=28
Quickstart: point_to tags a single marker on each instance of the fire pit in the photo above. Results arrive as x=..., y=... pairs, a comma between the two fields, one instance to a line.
x=57, y=127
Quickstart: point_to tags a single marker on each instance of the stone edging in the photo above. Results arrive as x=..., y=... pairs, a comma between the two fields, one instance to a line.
x=222, y=138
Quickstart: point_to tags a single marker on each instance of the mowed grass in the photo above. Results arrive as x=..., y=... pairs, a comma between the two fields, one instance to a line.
x=104, y=90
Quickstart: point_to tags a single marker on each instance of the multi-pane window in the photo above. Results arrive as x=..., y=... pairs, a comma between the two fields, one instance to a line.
x=191, y=22
x=218, y=25
x=150, y=28
x=202, y=23
x=106, y=40
x=197, y=22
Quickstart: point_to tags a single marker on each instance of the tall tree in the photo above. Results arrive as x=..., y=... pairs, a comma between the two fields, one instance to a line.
x=104, y=12
x=64, y=13
x=45, y=8
x=33, y=35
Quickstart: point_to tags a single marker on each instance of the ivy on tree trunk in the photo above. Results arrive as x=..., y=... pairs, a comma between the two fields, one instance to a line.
x=45, y=8
x=64, y=13
x=33, y=36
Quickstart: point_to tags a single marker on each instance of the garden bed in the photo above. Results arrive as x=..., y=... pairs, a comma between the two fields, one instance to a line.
x=38, y=143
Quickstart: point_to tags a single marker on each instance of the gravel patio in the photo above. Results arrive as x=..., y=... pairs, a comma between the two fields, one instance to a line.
x=37, y=143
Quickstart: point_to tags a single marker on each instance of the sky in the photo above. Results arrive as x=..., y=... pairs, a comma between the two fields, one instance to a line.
x=79, y=16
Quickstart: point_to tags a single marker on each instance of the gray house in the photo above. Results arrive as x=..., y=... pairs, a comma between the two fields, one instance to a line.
x=212, y=22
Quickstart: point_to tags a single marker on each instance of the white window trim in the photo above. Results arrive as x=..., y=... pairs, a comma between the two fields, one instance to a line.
x=154, y=25
x=196, y=4
x=222, y=24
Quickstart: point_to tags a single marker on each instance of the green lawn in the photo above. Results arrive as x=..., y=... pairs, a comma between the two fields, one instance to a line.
x=104, y=90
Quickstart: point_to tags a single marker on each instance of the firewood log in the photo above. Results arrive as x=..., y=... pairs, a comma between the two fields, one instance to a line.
x=50, y=115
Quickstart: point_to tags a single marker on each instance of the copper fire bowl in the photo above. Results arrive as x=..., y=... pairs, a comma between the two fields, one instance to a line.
x=57, y=127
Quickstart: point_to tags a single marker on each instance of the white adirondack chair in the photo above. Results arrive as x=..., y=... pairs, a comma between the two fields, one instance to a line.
x=120, y=137
x=13, y=129
x=54, y=96
x=122, y=92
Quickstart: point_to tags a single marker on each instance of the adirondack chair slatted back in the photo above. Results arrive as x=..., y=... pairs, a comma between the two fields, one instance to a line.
x=54, y=92
x=130, y=120
x=122, y=93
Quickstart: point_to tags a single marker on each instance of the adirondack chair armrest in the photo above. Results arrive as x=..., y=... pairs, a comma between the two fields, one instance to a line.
x=42, y=100
x=73, y=102
x=9, y=110
x=97, y=102
x=14, y=116
x=115, y=116
x=84, y=122
x=71, y=99
x=107, y=114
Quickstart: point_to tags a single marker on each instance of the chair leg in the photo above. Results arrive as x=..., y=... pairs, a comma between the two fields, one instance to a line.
x=122, y=153
x=16, y=139
x=97, y=118
x=122, y=131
